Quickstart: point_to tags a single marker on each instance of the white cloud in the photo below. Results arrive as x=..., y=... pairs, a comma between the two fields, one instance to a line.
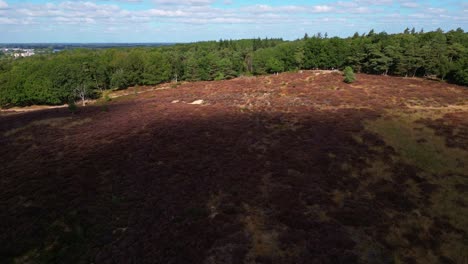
x=164, y=13
x=108, y=16
x=436, y=10
x=375, y=2
x=321, y=8
x=3, y=4
x=290, y=9
x=273, y=9
x=7, y=21
x=201, y=12
x=184, y=2
x=410, y=4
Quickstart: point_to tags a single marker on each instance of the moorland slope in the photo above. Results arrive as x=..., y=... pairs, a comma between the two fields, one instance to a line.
x=293, y=168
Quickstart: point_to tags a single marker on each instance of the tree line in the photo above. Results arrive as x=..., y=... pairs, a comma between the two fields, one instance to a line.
x=72, y=74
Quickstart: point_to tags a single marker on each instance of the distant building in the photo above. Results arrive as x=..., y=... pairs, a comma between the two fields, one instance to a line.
x=17, y=52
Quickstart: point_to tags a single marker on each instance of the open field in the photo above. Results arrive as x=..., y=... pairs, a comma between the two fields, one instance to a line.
x=294, y=168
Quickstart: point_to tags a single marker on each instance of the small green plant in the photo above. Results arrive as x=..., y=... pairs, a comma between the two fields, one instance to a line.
x=72, y=106
x=220, y=77
x=135, y=90
x=349, y=76
x=106, y=96
x=175, y=85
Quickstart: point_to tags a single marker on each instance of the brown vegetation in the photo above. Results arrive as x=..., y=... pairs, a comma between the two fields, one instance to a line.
x=294, y=168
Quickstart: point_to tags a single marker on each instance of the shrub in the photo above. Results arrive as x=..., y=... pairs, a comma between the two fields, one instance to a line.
x=119, y=80
x=72, y=106
x=220, y=76
x=106, y=96
x=349, y=76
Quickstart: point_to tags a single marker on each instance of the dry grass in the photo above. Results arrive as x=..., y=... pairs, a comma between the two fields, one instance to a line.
x=61, y=122
x=417, y=144
x=264, y=241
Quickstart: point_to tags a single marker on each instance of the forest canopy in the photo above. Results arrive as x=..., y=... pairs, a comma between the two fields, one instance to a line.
x=58, y=78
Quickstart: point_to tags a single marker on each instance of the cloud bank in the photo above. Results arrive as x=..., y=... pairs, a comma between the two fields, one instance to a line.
x=191, y=20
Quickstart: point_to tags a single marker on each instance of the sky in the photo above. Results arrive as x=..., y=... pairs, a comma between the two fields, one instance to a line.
x=98, y=21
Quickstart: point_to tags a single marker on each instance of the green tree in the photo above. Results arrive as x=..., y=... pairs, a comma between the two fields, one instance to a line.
x=157, y=68
x=54, y=78
x=349, y=76
x=274, y=65
x=119, y=79
x=377, y=61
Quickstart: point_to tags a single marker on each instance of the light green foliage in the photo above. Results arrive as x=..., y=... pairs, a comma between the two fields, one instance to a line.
x=119, y=80
x=432, y=155
x=106, y=96
x=157, y=68
x=422, y=147
x=349, y=76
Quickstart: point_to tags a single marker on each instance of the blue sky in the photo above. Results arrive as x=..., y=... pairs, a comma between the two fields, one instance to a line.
x=194, y=20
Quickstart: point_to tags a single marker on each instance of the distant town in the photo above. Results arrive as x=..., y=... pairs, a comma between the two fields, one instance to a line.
x=20, y=50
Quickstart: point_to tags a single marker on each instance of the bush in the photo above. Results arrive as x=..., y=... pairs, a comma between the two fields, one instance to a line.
x=220, y=77
x=106, y=96
x=72, y=106
x=349, y=76
x=119, y=80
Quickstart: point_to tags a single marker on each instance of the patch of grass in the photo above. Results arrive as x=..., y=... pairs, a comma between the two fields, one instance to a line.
x=244, y=109
x=136, y=89
x=418, y=145
x=339, y=197
x=106, y=96
x=451, y=203
x=404, y=248
x=175, y=85
x=358, y=139
x=453, y=249
x=265, y=243
x=65, y=243
x=370, y=251
x=285, y=124
x=77, y=122
x=53, y=122
x=378, y=170
x=331, y=88
x=60, y=122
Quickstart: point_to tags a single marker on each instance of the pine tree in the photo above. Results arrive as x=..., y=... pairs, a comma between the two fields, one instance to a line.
x=349, y=76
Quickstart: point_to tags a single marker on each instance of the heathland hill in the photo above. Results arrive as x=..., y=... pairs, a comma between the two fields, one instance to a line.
x=289, y=168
